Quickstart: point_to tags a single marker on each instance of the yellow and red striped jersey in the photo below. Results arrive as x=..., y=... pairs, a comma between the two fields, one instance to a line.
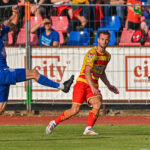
x=98, y=61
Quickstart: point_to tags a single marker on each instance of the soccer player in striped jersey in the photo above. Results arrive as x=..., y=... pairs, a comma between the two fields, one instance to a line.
x=86, y=87
x=9, y=76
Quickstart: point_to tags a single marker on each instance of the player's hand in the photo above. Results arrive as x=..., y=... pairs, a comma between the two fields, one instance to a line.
x=113, y=89
x=95, y=91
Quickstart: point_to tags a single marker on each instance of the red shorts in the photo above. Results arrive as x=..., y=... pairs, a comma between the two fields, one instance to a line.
x=82, y=92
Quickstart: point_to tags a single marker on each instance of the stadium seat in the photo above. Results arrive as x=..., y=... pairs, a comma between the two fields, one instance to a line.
x=34, y=20
x=147, y=44
x=78, y=38
x=34, y=39
x=146, y=14
x=22, y=38
x=111, y=23
x=61, y=37
x=89, y=30
x=112, y=38
x=60, y=23
x=144, y=2
x=126, y=37
x=10, y=38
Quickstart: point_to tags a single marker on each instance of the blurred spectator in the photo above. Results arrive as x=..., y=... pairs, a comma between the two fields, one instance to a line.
x=120, y=10
x=11, y=24
x=80, y=16
x=61, y=9
x=141, y=35
x=47, y=36
x=81, y=12
x=38, y=9
x=8, y=14
x=96, y=14
x=134, y=14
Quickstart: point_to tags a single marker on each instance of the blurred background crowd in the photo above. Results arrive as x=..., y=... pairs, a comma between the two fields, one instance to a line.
x=77, y=22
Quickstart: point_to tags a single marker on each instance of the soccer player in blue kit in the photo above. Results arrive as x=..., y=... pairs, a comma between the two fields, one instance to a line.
x=10, y=76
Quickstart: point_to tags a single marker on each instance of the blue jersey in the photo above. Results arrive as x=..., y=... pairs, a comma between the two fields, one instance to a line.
x=3, y=63
x=47, y=40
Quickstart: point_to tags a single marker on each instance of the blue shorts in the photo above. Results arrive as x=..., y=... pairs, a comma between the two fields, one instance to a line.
x=9, y=77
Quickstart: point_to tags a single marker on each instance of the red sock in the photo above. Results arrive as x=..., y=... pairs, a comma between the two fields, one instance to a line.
x=65, y=115
x=93, y=115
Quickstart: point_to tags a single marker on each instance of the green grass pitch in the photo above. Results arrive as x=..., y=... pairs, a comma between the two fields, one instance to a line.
x=69, y=137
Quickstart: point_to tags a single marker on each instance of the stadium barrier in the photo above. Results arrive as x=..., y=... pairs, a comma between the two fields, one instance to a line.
x=128, y=70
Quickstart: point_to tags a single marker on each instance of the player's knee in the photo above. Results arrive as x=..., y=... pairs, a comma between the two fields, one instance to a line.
x=75, y=110
x=97, y=105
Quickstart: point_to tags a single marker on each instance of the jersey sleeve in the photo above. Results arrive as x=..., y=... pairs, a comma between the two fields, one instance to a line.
x=90, y=58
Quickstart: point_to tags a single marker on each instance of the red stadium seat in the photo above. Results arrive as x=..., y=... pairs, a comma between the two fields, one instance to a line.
x=61, y=37
x=60, y=23
x=126, y=37
x=10, y=38
x=34, y=20
x=147, y=44
x=22, y=38
x=34, y=40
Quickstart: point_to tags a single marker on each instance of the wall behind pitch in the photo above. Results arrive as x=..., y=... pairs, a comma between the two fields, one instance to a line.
x=128, y=70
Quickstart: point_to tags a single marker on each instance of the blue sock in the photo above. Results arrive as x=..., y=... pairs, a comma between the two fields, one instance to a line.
x=47, y=82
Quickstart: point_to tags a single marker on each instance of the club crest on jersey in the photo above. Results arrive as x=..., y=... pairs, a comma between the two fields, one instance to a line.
x=11, y=69
x=90, y=55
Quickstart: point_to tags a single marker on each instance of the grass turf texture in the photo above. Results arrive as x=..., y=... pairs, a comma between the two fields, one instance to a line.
x=69, y=137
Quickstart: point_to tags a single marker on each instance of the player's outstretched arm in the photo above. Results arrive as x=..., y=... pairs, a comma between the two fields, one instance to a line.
x=107, y=83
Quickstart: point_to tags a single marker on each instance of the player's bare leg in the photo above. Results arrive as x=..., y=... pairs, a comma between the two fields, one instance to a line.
x=41, y=79
x=2, y=107
x=65, y=115
x=93, y=115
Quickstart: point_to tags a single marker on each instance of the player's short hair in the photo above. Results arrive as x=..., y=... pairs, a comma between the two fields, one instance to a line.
x=104, y=32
